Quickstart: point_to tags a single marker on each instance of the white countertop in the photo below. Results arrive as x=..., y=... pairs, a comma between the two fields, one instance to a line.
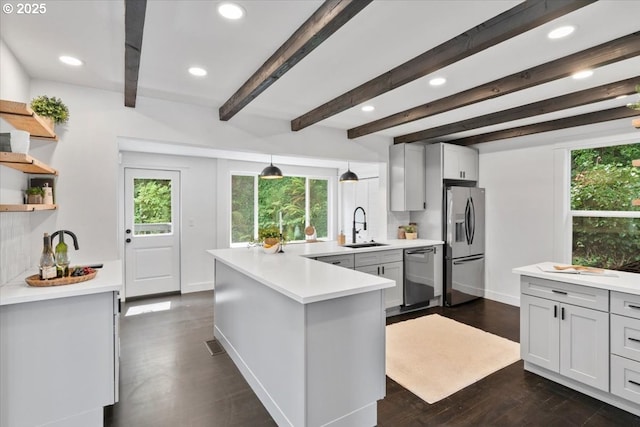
x=304, y=280
x=621, y=281
x=108, y=279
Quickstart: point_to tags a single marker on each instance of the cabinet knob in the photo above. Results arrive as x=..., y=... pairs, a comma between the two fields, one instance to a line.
x=128, y=240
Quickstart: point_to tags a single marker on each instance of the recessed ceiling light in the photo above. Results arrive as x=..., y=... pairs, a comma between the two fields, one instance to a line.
x=197, y=71
x=582, y=74
x=70, y=60
x=231, y=11
x=368, y=108
x=437, y=81
x=561, y=32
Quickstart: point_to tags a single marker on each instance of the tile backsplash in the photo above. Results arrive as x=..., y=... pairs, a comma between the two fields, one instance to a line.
x=15, y=247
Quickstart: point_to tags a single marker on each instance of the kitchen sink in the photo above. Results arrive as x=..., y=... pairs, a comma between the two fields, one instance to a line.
x=365, y=245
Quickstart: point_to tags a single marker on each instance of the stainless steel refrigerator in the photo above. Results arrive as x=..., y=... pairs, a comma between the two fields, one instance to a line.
x=464, y=241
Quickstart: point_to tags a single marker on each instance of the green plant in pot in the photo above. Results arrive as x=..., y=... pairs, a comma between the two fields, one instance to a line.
x=34, y=195
x=52, y=108
x=269, y=235
x=410, y=232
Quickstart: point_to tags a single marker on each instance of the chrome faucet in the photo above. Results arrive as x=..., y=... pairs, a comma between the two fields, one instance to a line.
x=364, y=223
x=61, y=233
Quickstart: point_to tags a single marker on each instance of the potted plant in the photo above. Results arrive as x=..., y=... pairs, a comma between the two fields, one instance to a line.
x=269, y=235
x=34, y=195
x=410, y=232
x=51, y=108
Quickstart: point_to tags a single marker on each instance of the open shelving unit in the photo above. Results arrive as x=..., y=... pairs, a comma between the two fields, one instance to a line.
x=27, y=208
x=25, y=163
x=21, y=117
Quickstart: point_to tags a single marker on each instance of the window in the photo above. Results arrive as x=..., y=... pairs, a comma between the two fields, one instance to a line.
x=258, y=203
x=152, y=206
x=605, y=224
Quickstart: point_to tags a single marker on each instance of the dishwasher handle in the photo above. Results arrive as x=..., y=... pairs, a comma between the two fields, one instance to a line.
x=421, y=251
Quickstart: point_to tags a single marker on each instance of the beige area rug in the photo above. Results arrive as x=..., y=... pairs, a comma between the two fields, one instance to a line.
x=434, y=356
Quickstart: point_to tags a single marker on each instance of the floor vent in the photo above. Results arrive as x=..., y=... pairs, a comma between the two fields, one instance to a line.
x=214, y=347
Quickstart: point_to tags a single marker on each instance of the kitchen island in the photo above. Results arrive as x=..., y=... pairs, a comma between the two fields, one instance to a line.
x=583, y=331
x=308, y=336
x=59, y=351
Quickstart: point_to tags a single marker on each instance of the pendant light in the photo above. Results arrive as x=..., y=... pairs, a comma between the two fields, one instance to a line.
x=271, y=172
x=348, y=176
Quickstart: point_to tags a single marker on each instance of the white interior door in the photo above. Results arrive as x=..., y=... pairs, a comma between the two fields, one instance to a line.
x=152, y=231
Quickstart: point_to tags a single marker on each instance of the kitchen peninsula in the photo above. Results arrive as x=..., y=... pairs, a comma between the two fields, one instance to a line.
x=308, y=336
x=59, y=350
x=583, y=331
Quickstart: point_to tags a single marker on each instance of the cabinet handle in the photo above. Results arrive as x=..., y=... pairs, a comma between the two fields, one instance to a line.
x=634, y=382
x=562, y=313
x=378, y=270
x=336, y=262
x=633, y=339
x=558, y=292
x=633, y=306
x=383, y=269
x=555, y=311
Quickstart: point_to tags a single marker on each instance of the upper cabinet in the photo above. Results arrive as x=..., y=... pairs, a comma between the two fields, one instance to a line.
x=460, y=163
x=407, y=180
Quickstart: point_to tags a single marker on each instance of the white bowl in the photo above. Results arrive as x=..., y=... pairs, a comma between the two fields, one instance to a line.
x=271, y=250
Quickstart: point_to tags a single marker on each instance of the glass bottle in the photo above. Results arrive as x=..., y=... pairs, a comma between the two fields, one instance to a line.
x=47, y=260
x=62, y=257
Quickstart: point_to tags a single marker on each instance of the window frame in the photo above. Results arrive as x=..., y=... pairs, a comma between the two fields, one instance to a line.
x=573, y=213
x=256, y=176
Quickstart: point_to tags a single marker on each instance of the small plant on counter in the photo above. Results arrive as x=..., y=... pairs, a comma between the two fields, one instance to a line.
x=635, y=105
x=409, y=229
x=52, y=108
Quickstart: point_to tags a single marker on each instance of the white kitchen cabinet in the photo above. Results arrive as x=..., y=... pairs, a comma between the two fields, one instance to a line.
x=407, y=182
x=59, y=360
x=345, y=260
x=569, y=339
x=387, y=264
x=459, y=162
x=625, y=346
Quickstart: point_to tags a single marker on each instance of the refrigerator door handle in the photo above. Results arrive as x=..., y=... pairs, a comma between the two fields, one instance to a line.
x=467, y=222
x=477, y=258
x=472, y=215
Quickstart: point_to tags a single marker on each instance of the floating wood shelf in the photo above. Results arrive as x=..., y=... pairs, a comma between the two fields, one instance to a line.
x=25, y=163
x=23, y=118
x=27, y=208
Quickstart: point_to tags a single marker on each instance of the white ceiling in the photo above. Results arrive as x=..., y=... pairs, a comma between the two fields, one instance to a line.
x=180, y=34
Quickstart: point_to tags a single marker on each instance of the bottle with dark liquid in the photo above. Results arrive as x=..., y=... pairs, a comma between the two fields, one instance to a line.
x=47, y=260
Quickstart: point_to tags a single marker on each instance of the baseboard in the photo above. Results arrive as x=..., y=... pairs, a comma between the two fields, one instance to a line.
x=503, y=298
x=197, y=287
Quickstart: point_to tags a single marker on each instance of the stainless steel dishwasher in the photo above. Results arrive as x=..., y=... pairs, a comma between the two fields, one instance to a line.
x=419, y=275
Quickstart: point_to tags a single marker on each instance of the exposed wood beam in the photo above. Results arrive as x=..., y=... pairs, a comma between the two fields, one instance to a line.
x=134, y=12
x=607, y=53
x=515, y=21
x=564, y=123
x=325, y=21
x=575, y=99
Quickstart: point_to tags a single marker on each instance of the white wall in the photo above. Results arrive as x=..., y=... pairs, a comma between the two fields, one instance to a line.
x=526, y=183
x=198, y=197
x=86, y=156
x=15, y=251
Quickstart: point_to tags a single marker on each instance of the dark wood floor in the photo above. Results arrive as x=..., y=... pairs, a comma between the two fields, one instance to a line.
x=168, y=378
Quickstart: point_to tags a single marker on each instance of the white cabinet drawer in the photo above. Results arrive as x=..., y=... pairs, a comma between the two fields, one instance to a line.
x=625, y=378
x=378, y=257
x=341, y=260
x=583, y=296
x=625, y=337
x=625, y=304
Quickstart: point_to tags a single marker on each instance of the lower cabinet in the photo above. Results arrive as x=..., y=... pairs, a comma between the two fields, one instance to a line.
x=625, y=346
x=568, y=339
x=387, y=264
